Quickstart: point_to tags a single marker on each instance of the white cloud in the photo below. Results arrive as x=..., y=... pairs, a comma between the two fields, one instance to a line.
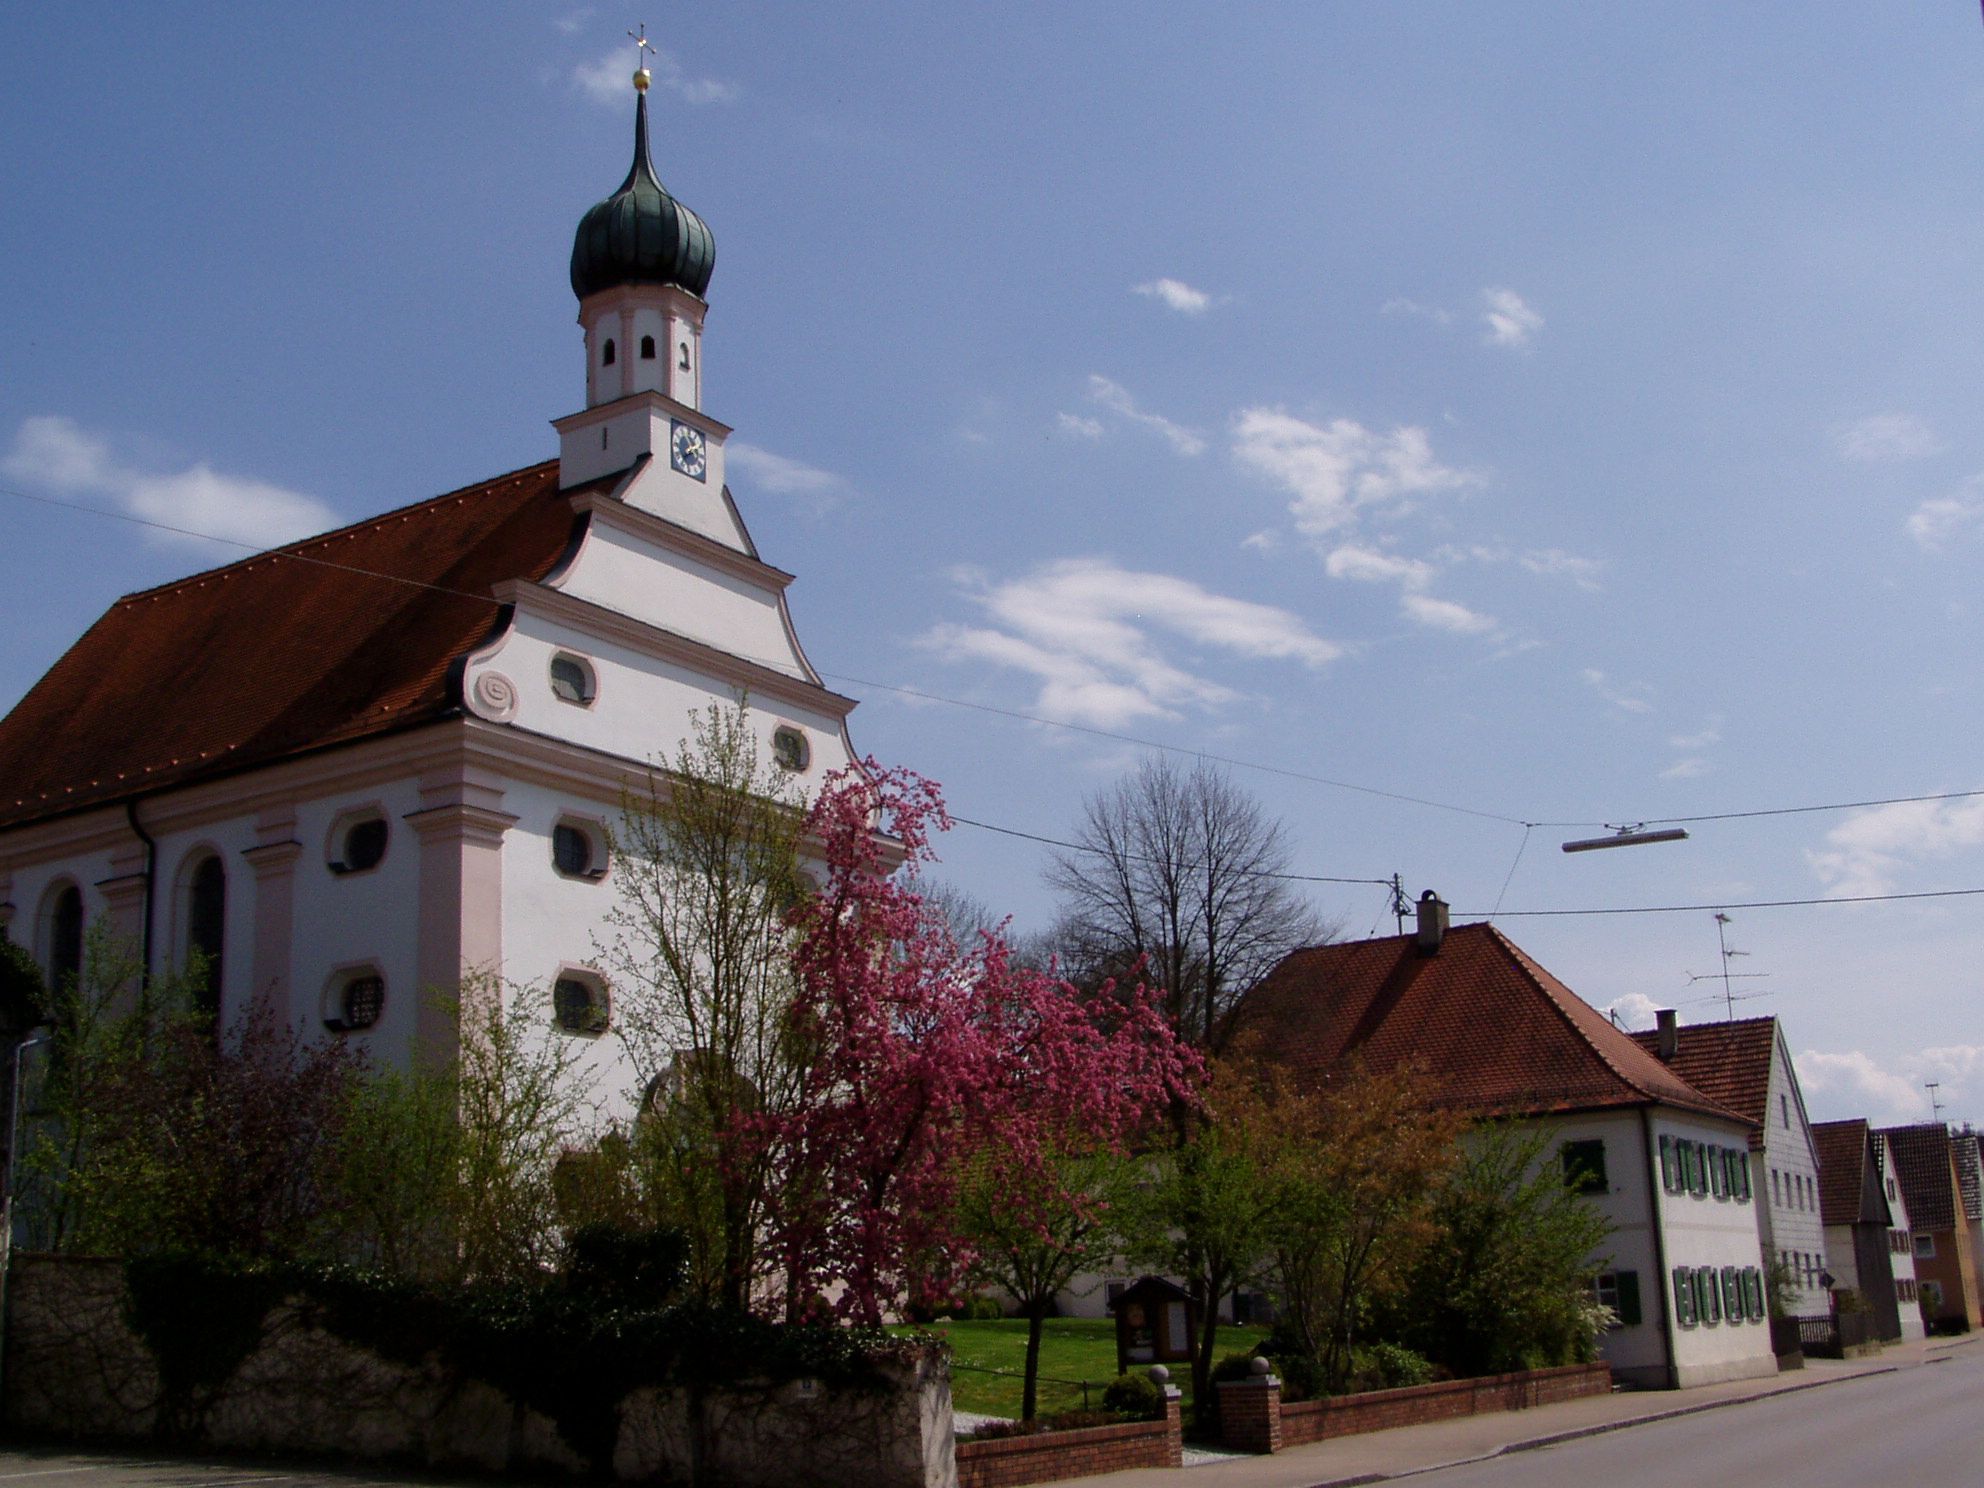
x=1687, y=769
x=1267, y=540
x=1339, y=471
x=1074, y=423
x=1116, y=398
x=611, y=79
x=1887, y=436
x=1412, y=307
x=1937, y=520
x=1084, y=627
x=1177, y=294
x=821, y=490
x=573, y=20
x=1555, y=563
x=1632, y=698
x=1896, y=1089
x=1412, y=575
x=1511, y=322
x=1711, y=733
x=1866, y=852
x=56, y=454
x=1635, y=1010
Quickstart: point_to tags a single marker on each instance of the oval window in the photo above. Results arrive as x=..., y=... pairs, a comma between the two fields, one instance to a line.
x=356, y=1002
x=790, y=749
x=578, y=1004
x=571, y=680
x=571, y=850
x=364, y=845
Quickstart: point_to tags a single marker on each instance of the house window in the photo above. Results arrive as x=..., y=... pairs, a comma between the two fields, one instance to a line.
x=1620, y=1291
x=62, y=936
x=572, y=679
x=576, y=851
x=1670, y=1166
x=1584, y=1167
x=362, y=844
x=790, y=749
x=1929, y=1294
x=1898, y=1242
x=1925, y=1247
x=1684, y=1297
x=1776, y=1188
x=1784, y=1108
x=647, y=348
x=1732, y=1294
x=354, y=1000
x=579, y=1003
x=1708, y=1297
x=1753, y=1294
x=1111, y=1290
x=1718, y=1173
x=1904, y=1289
x=1739, y=1173
x=206, y=930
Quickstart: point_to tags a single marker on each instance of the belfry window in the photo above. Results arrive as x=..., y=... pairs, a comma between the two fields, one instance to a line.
x=647, y=348
x=606, y=354
x=684, y=363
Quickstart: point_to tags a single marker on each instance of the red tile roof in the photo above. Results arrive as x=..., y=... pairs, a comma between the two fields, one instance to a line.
x=273, y=656
x=1727, y=1062
x=1500, y=1035
x=1922, y=1163
x=1845, y=1155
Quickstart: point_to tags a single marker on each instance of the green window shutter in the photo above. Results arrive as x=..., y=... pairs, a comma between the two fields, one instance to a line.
x=1753, y=1293
x=1697, y=1169
x=1710, y=1303
x=1684, y=1296
x=1732, y=1294
x=1669, y=1178
x=1717, y=1173
x=1628, y=1283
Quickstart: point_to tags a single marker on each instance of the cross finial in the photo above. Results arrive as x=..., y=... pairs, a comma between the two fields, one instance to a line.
x=641, y=44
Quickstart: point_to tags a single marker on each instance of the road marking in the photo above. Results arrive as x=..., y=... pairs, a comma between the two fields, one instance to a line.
x=53, y=1472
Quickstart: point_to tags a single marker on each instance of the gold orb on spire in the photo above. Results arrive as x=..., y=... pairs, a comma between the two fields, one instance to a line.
x=642, y=77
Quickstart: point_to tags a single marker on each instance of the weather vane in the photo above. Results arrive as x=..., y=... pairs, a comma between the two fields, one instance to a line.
x=641, y=44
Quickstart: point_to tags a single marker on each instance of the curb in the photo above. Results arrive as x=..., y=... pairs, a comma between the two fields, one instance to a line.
x=1537, y=1443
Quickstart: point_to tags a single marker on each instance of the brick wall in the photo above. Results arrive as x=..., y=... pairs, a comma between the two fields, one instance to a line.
x=1380, y=1410
x=1250, y=1414
x=1007, y=1461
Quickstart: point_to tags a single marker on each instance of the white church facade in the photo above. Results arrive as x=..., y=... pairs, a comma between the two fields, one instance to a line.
x=357, y=768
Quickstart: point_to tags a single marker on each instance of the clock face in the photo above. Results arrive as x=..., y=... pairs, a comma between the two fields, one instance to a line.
x=687, y=451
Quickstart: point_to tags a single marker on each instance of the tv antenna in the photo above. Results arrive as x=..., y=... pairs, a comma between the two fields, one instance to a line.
x=1935, y=1101
x=1730, y=997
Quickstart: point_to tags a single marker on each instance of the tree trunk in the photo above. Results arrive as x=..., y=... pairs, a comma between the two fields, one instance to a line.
x=1036, y=1315
x=1202, y=1391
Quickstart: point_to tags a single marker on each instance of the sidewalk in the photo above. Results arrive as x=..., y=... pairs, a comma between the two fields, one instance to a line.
x=1416, y=1449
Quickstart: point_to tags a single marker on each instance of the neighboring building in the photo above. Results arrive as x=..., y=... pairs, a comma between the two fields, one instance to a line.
x=1505, y=1039
x=1853, y=1202
x=1901, y=1243
x=354, y=769
x=1924, y=1159
x=1745, y=1065
x=1964, y=1151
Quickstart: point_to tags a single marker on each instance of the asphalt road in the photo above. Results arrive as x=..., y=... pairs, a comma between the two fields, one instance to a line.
x=1916, y=1428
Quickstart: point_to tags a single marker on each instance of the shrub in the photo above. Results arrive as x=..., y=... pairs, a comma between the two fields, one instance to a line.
x=1235, y=1366
x=1076, y=1420
x=1134, y=1397
x=1389, y=1366
x=1000, y=1430
x=982, y=1309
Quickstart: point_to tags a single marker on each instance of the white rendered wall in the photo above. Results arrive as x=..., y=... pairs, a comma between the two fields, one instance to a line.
x=1704, y=1230
x=1791, y=1224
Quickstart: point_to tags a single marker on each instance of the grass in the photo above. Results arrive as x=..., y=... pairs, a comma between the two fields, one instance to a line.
x=1071, y=1349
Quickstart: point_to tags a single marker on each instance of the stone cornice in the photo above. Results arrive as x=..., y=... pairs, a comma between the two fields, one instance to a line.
x=271, y=859
x=459, y=821
x=599, y=413
x=665, y=645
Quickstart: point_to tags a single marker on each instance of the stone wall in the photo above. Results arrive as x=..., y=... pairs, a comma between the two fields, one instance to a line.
x=1008, y=1461
x=74, y=1368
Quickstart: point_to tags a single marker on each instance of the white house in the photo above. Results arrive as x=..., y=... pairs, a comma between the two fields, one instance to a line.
x=353, y=769
x=1503, y=1038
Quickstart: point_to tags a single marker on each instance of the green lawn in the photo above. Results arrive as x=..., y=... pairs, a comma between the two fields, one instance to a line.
x=1071, y=1349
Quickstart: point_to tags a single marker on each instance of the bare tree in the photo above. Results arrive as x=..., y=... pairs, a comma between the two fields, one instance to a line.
x=1183, y=870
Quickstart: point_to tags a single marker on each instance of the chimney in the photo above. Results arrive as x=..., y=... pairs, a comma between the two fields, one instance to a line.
x=1432, y=923
x=1668, y=1043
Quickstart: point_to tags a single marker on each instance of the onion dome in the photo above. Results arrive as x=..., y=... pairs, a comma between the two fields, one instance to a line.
x=641, y=234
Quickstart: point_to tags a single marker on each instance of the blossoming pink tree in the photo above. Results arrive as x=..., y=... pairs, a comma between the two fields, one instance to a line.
x=926, y=1058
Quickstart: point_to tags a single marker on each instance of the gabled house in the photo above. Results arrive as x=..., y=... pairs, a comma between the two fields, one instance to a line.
x=1504, y=1039
x=1901, y=1241
x=353, y=769
x=1925, y=1161
x=1859, y=1220
x=1745, y=1064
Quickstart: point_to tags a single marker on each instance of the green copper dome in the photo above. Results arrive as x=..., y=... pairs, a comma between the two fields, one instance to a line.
x=641, y=234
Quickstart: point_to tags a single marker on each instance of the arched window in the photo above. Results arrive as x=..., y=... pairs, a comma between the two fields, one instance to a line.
x=606, y=356
x=647, y=348
x=63, y=943
x=684, y=363
x=206, y=929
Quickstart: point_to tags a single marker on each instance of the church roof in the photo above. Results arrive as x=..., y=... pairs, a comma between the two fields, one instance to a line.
x=1728, y=1062
x=641, y=234
x=1498, y=1034
x=336, y=638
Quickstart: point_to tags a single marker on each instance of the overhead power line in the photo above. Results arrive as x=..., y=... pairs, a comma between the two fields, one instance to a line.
x=965, y=821
x=1729, y=904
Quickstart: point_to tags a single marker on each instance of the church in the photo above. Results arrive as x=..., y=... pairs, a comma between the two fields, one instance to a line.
x=357, y=768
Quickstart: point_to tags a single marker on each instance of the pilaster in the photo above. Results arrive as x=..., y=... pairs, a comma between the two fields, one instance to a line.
x=461, y=825
x=274, y=857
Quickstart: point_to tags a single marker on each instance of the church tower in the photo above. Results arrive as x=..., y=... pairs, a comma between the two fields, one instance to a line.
x=641, y=262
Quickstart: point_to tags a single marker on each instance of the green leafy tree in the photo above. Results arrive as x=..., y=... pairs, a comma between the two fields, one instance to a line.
x=707, y=866
x=1505, y=1282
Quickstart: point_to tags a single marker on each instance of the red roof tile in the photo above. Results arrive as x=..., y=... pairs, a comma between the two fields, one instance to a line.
x=1499, y=1034
x=273, y=656
x=1727, y=1062
x=1922, y=1163
x=1845, y=1155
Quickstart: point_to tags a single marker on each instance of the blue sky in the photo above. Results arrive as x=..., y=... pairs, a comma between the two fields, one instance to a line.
x=1563, y=412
